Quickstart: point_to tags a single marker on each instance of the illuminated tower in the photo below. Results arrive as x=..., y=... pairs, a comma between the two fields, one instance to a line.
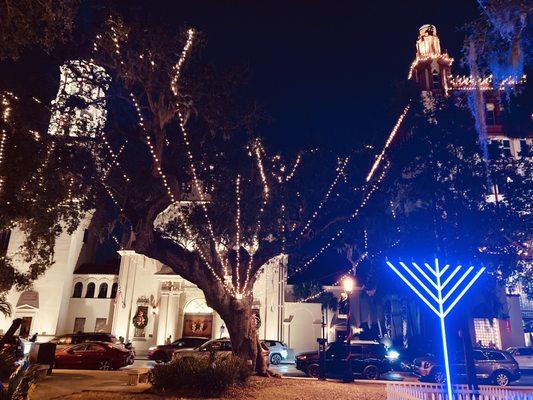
x=431, y=67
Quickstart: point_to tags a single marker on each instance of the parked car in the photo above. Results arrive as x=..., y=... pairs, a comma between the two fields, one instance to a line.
x=496, y=366
x=82, y=337
x=220, y=347
x=278, y=351
x=93, y=355
x=523, y=356
x=367, y=358
x=163, y=353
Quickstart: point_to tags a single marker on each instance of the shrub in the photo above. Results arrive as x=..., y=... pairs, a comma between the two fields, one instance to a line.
x=200, y=375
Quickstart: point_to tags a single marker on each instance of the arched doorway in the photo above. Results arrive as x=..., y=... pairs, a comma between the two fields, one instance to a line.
x=197, y=319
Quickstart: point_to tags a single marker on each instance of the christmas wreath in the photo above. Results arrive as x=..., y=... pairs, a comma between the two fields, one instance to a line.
x=140, y=319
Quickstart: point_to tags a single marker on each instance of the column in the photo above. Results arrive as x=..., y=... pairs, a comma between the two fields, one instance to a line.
x=162, y=319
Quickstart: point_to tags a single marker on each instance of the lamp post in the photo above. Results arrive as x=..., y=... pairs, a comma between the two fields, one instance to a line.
x=348, y=284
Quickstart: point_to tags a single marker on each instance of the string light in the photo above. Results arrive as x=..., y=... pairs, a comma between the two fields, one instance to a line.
x=181, y=120
x=484, y=83
x=388, y=142
x=333, y=238
x=340, y=172
x=238, y=229
x=287, y=178
x=337, y=282
x=6, y=114
x=438, y=57
x=114, y=160
x=264, y=201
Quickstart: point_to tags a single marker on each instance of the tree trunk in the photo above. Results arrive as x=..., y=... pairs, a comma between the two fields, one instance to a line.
x=241, y=324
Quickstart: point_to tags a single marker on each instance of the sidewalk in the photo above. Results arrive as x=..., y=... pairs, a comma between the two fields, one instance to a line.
x=65, y=382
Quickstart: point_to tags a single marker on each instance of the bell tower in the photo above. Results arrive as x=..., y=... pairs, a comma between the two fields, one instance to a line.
x=431, y=67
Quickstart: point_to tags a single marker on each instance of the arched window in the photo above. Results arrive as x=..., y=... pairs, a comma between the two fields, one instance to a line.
x=114, y=288
x=90, y=290
x=78, y=288
x=102, y=291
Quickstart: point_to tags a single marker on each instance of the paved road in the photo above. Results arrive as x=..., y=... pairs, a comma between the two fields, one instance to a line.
x=289, y=370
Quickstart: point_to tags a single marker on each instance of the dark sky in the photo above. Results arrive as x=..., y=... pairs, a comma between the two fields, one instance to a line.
x=324, y=71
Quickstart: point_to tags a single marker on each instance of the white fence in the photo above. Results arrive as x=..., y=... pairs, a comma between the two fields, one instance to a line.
x=421, y=391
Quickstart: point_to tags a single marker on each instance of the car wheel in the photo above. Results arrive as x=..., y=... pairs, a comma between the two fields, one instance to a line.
x=104, y=365
x=371, y=372
x=160, y=357
x=501, y=378
x=439, y=377
x=275, y=359
x=313, y=371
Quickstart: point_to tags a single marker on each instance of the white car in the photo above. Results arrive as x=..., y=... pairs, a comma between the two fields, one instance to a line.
x=278, y=351
x=524, y=357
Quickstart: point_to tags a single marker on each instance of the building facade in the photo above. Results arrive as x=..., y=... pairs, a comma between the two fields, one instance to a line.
x=76, y=295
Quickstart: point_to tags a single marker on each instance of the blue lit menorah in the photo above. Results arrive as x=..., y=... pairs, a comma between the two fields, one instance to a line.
x=430, y=283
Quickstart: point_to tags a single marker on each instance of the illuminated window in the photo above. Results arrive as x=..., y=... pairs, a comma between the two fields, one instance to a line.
x=487, y=333
x=490, y=117
x=436, y=80
x=506, y=146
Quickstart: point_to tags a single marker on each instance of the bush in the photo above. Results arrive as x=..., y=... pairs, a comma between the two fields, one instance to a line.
x=200, y=375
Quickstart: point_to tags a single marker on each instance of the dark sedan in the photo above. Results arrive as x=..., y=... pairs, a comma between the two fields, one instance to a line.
x=93, y=355
x=163, y=353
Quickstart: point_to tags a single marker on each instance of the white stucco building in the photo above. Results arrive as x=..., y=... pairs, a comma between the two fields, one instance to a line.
x=78, y=295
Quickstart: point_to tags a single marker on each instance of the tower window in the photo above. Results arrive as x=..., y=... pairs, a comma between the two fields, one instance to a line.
x=506, y=146
x=78, y=288
x=90, y=290
x=436, y=80
x=490, y=117
x=102, y=291
x=114, y=288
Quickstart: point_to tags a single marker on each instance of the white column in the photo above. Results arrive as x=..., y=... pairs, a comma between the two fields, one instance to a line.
x=123, y=301
x=162, y=322
x=172, y=315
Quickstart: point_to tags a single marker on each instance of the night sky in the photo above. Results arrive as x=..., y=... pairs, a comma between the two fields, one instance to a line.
x=324, y=71
x=327, y=73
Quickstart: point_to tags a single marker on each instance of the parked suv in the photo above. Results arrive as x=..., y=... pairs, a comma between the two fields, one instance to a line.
x=163, y=353
x=367, y=358
x=523, y=356
x=496, y=366
x=82, y=337
x=278, y=351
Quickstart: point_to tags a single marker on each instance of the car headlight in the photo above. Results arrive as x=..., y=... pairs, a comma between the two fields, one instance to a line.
x=301, y=357
x=283, y=353
x=392, y=355
x=152, y=348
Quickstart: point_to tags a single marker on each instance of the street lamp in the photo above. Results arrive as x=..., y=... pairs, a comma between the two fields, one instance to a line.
x=348, y=284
